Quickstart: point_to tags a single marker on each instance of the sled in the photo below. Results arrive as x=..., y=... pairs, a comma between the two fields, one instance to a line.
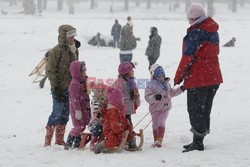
x=120, y=147
x=86, y=137
x=139, y=147
x=39, y=69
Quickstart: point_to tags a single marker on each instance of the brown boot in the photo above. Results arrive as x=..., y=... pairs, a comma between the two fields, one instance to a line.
x=60, y=130
x=49, y=135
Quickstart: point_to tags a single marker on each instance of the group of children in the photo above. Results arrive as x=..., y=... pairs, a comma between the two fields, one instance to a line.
x=108, y=115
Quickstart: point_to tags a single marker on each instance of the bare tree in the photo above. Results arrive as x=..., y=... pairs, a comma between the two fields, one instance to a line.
x=39, y=6
x=59, y=5
x=13, y=2
x=93, y=4
x=138, y=3
x=149, y=4
x=188, y=3
x=44, y=4
x=71, y=7
x=210, y=8
x=242, y=2
x=234, y=6
x=126, y=5
x=29, y=7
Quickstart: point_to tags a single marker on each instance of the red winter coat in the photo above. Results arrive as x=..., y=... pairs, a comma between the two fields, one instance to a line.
x=114, y=126
x=199, y=65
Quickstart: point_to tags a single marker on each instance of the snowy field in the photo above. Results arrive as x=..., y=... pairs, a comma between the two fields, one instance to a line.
x=24, y=107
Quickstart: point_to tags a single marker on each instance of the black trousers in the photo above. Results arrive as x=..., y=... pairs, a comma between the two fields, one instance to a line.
x=152, y=61
x=199, y=105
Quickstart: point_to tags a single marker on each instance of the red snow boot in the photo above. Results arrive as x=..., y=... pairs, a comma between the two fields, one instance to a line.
x=60, y=130
x=49, y=135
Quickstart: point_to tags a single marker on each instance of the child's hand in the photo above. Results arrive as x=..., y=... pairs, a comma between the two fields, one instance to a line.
x=158, y=97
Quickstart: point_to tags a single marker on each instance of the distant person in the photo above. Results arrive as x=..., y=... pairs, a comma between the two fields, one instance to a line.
x=127, y=44
x=199, y=68
x=130, y=23
x=116, y=33
x=154, y=46
x=97, y=40
x=230, y=43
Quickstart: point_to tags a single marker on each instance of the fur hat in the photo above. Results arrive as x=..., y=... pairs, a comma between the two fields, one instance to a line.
x=195, y=11
x=125, y=67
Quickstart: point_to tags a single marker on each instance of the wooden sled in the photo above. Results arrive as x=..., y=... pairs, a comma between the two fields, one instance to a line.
x=120, y=147
x=139, y=147
x=140, y=134
x=39, y=70
x=86, y=137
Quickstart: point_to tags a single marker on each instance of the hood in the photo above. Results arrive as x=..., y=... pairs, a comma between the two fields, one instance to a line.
x=75, y=70
x=208, y=24
x=154, y=31
x=63, y=29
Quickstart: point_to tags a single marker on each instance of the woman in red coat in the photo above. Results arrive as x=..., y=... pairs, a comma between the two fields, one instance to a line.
x=114, y=122
x=200, y=70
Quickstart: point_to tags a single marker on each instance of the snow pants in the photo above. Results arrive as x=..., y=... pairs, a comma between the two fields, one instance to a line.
x=159, y=118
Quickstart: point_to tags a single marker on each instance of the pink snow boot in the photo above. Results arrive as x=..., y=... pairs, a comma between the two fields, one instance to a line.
x=92, y=143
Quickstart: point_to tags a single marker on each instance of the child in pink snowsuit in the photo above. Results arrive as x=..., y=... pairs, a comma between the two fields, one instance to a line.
x=79, y=103
x=158, y=94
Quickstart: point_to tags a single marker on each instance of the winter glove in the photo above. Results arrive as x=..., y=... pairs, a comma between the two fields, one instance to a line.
x=78, y=115
x=77, y=43
x=60, y=95
x=158, y=97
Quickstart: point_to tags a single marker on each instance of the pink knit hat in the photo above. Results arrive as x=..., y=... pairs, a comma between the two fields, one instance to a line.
x=195, y=11
x=115, y=97
x=125, y=67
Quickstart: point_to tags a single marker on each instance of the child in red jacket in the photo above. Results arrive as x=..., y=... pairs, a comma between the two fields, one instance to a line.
x=114, y=122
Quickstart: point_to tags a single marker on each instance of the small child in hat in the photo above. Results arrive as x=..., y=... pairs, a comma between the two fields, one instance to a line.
x=129, y=88
x=114, y=122
x=158, y=94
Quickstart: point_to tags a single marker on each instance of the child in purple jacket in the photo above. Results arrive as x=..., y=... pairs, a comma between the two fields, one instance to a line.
x=79, y=103
x=158, y=94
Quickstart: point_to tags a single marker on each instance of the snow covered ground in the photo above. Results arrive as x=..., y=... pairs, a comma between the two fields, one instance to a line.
x=24, y=107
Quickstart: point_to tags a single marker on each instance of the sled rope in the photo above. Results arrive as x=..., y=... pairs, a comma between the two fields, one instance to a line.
x=141, y=120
